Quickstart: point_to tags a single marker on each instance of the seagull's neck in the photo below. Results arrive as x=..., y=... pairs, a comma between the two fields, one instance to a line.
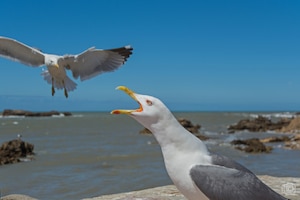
x=171, y=134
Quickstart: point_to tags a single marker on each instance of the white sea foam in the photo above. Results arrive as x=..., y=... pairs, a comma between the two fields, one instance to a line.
x=230, y=138
x=11, y=117
x=274, y=115
x=60, y=115
x=78, y=115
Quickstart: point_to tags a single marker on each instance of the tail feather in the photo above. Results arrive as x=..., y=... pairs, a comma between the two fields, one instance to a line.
x=68, y=83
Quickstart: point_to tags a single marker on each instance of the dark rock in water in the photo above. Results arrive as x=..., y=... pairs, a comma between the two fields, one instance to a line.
x=289, y=125
x=293, y=127
x=294, y=143
x=187, y=124
x=8, y=112
x=290, y=142
x=275, y=139
x=201, y=136
x=253, y=145
x=15, y=151
x=259, y=124
x=67, y=114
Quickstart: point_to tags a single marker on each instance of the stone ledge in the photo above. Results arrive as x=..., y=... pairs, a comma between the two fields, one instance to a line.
x=170, y=192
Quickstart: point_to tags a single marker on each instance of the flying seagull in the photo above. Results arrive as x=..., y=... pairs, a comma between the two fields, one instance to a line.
x=85, y=65
x=197, y=173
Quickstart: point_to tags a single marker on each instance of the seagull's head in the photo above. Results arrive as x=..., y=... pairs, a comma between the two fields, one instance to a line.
x=51, y=61
x=150, y=110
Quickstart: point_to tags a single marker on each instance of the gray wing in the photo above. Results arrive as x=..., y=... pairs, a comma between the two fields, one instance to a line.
x=20, y=52
x=227, y=162
x=221, y=183
x=95, y=61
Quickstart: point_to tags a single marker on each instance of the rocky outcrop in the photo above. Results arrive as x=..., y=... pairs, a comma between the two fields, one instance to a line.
x=15, y=151
x=292, y=127
x=259, y=124
x=188, y=125
x=283, y=138
x=25, y=113
x=253, y=145
x=285, y=125
x=293, y=143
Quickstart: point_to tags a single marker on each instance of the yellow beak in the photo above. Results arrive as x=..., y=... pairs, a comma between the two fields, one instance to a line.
x=132, y=94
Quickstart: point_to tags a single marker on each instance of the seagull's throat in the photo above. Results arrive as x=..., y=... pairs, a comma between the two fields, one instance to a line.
x=119, y=111
x=166, y=131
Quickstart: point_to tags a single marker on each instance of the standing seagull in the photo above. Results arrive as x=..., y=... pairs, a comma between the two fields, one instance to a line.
x=84, y=65
x=198, y=174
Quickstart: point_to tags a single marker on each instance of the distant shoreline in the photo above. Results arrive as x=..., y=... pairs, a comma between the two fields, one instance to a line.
x=26, y=113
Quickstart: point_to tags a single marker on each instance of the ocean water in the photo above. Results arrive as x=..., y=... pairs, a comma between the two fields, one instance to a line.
x=93, y=154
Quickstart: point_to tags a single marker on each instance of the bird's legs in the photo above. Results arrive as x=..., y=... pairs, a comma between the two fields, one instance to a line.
x=53, y=90
x=65, y=90
x=66, y=93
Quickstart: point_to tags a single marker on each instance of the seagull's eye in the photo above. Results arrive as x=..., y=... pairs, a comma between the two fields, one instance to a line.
x=149, y=102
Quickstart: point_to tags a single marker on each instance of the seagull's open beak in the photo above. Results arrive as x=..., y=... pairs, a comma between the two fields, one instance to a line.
x=132, y=94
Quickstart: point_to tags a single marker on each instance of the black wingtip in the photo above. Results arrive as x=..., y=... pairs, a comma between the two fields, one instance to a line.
x=124, y=51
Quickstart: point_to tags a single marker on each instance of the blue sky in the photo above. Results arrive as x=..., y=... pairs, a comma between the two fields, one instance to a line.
x=194, y=55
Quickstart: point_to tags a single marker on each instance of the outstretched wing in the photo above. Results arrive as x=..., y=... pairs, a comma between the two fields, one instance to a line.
x=20, y=52
x=95, y=61
x=218, y=182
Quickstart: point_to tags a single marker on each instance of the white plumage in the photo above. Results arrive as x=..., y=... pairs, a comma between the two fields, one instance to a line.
x=197, y=173
x=85, y=65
